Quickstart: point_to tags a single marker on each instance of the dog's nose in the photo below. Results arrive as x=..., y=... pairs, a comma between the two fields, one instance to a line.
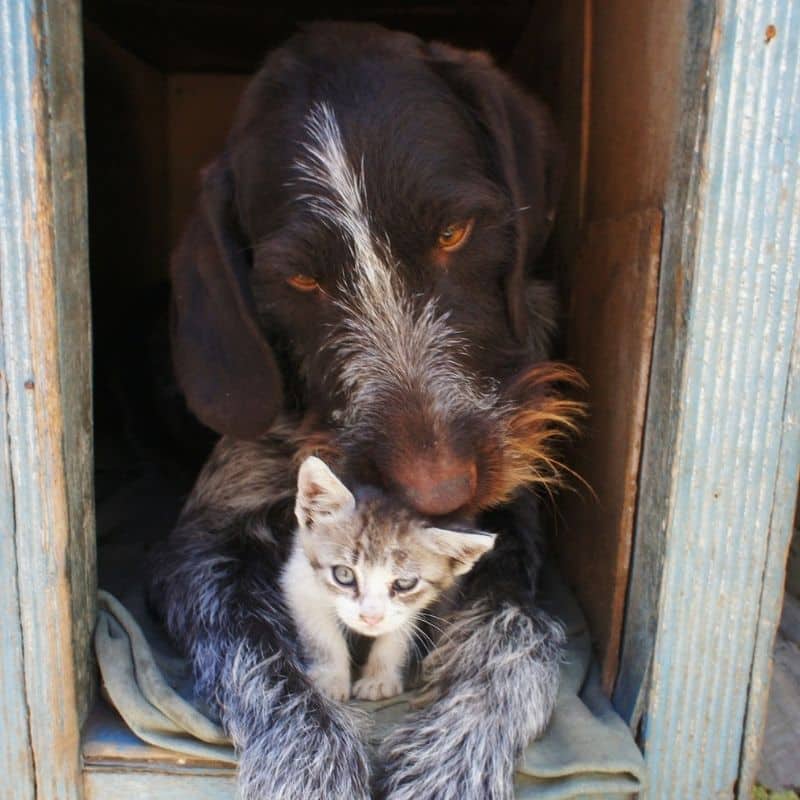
x=371, y=619
x=438, y=486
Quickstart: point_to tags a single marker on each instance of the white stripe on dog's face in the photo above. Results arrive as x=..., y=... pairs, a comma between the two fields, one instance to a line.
x=342, y=203
x=384, y=344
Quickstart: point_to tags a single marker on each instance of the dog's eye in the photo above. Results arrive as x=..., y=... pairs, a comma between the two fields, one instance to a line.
x=455, y=235
x=303, y=283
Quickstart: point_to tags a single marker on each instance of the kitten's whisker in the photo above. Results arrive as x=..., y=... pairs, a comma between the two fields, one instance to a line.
x=430, y=617
x=442, y=631
x=414, y=642
x=421, y=634
x=418, y=631
x=441, y=635
x=418, y=654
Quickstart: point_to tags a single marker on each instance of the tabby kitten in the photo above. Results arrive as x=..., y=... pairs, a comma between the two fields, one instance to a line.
x=368, y=565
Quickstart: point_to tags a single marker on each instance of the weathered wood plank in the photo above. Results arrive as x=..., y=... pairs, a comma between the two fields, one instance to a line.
x=610, y=338
x=43, y=291
x=770, y=603
x=109, y=743
x=15, y=746
x=665, y=389
x=62, y=60
x=611, y=72
x=119, y=765
x=729, y=483
x=114, y=785
x=15, y=752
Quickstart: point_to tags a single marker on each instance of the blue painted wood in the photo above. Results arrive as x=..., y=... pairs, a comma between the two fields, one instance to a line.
x=773, y=582
x=736, y=451
x=665, y=398
x=15, y=753
x=45, y=351
x=125, y=785
x=15, y=747
x=62, y=59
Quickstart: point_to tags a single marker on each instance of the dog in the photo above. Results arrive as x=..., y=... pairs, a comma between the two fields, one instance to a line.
x=358, y=280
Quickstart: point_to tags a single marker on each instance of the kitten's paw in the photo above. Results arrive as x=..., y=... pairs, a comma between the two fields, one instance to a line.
x=332, y=682
x=378, y=687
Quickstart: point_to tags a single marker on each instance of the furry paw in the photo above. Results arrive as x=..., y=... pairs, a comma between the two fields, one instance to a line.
x=331, y=682
x=378, y=687
x=494, y=685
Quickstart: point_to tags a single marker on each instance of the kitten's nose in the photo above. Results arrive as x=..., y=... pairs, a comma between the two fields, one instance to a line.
x=372, y=619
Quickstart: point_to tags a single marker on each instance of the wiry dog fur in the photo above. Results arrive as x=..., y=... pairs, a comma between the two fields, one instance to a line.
x=315, y=311
x=504, y=659
x=217, y=583
x=490, y=685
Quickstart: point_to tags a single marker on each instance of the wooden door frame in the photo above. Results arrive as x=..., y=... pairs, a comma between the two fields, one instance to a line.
x=47, y=589
x=719, y=471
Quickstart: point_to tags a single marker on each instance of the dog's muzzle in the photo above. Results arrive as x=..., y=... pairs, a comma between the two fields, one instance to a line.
x=437, y=485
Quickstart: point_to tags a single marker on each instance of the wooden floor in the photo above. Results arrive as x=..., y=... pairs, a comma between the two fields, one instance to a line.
x=118, y=765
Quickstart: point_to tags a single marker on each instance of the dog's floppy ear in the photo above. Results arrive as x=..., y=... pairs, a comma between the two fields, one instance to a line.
x=524, y=149
x=224, y=365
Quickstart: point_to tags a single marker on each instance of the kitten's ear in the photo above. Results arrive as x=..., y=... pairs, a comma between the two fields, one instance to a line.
x=463, y=548
x=320, y=494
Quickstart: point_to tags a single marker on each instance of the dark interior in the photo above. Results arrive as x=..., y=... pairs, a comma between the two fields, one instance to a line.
x=232, y=37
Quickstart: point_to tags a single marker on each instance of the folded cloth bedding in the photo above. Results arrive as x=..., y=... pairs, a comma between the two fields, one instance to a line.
x=587, y=751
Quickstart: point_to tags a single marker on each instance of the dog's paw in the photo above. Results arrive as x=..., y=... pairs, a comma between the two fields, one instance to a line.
x=332, y=682
x=378, y=687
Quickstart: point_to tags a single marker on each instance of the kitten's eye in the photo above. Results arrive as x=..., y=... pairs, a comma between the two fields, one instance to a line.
x=344, y=576
x=455, y=235
x=303, y=283
x=405, y=584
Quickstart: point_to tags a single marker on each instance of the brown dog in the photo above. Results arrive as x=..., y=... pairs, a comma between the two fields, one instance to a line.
x=360, y=260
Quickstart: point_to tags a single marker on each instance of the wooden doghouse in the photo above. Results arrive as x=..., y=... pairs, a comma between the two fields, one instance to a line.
x=678, y=240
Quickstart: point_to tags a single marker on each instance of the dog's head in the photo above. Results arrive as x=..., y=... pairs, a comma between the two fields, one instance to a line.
x=360, y=251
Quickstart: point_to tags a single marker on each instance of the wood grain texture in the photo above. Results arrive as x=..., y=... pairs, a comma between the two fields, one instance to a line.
x=610, y=337
x=611, y=72
x=16, y=757
x=633, y=112
x=15, y=746
x=119, y=765
x=119, y=785
x=67, y=154
x=773, y=578
x=43, y=291
x=666, y=374
x=736, y=449
x=636, y=52
x=108, y=743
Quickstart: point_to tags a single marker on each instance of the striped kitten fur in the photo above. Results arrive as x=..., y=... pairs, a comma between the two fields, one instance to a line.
x=366, y=565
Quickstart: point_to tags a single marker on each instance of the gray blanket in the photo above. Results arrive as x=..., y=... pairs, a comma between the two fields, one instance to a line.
x=587, y=751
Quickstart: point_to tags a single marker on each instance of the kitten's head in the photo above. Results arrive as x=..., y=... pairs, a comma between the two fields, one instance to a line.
x=381, y=563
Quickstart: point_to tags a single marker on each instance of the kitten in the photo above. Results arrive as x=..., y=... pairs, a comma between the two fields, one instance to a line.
x=372, y=567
